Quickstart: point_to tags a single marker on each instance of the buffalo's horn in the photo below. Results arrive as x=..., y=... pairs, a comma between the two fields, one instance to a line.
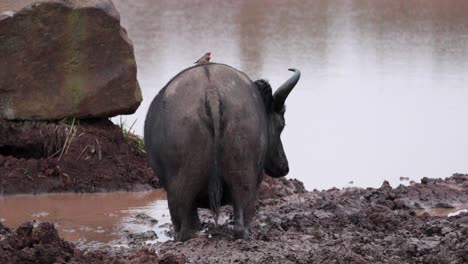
x=283, y=91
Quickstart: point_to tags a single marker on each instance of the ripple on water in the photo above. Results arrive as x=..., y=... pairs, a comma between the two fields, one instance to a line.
x=40, y=214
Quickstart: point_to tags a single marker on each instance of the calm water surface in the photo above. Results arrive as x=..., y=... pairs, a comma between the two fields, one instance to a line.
x=100, y=217
x=384, y=88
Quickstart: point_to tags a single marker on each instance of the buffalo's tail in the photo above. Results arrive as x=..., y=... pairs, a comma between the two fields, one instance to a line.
x=215, y=187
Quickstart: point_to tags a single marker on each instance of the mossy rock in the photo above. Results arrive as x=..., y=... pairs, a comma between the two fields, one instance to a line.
x=65, y=58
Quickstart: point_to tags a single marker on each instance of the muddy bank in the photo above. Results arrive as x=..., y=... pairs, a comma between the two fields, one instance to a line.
x=71, y=156
x=40, y=243
x=351, y=225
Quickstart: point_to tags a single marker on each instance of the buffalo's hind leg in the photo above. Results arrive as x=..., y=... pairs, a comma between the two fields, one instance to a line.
x=196, y=223
x=244, y=202
x=183, y=213
x=190, y=223
x=175, y=217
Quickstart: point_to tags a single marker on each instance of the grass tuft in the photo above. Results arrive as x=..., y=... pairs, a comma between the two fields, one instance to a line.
x=70, y=121
x=130, y=136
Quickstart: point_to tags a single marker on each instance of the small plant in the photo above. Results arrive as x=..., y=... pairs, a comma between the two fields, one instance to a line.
x=70, y=135
x=130, y=136
x=71, y=121
x=139, y=142
x=126, y=132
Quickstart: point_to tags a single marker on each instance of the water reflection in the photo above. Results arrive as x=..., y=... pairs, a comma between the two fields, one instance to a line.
x=384, y=85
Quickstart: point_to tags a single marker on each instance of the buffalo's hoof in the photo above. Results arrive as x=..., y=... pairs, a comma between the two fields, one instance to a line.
x=184, y=236
x=241, y=233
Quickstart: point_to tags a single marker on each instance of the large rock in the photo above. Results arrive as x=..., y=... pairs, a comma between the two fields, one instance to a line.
x=65, y=58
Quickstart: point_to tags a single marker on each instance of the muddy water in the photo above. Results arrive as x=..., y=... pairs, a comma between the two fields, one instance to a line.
x=89, y=217
x=444, y=212
x=384, y=85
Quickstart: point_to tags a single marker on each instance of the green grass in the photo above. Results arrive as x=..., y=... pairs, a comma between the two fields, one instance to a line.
x=70, y=121
x=130, y=136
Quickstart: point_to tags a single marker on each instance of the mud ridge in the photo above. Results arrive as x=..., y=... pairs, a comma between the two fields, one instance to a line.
x=81, y=156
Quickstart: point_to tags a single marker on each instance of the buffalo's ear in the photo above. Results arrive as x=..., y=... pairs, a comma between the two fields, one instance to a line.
x=266, y=92
x=283, y=91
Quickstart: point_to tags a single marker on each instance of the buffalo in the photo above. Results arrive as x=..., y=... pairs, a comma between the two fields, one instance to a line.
x=210, y=134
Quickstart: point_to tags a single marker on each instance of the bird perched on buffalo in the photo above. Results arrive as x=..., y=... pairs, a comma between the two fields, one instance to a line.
x=204, y=59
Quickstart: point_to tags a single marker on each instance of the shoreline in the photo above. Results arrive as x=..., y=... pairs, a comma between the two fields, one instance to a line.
x=349, y=225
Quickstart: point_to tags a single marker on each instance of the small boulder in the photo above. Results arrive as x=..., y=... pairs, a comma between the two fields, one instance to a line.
x=65, y=58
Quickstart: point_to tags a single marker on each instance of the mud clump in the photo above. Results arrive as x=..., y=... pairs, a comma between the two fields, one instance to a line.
x=139, y=238
x=146, y=219
x=82, y=156
x=34, y=244
x=280, y=187
x=39, y=243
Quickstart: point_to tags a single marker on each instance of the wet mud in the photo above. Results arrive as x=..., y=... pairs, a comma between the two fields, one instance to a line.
x=40, y=243
x=351, y=225
x=71, y=156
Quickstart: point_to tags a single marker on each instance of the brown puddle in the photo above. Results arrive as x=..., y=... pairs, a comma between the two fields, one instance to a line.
x=444, y=212
x=89, y=217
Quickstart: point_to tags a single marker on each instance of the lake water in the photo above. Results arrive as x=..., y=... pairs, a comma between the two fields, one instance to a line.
x=384, y=84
